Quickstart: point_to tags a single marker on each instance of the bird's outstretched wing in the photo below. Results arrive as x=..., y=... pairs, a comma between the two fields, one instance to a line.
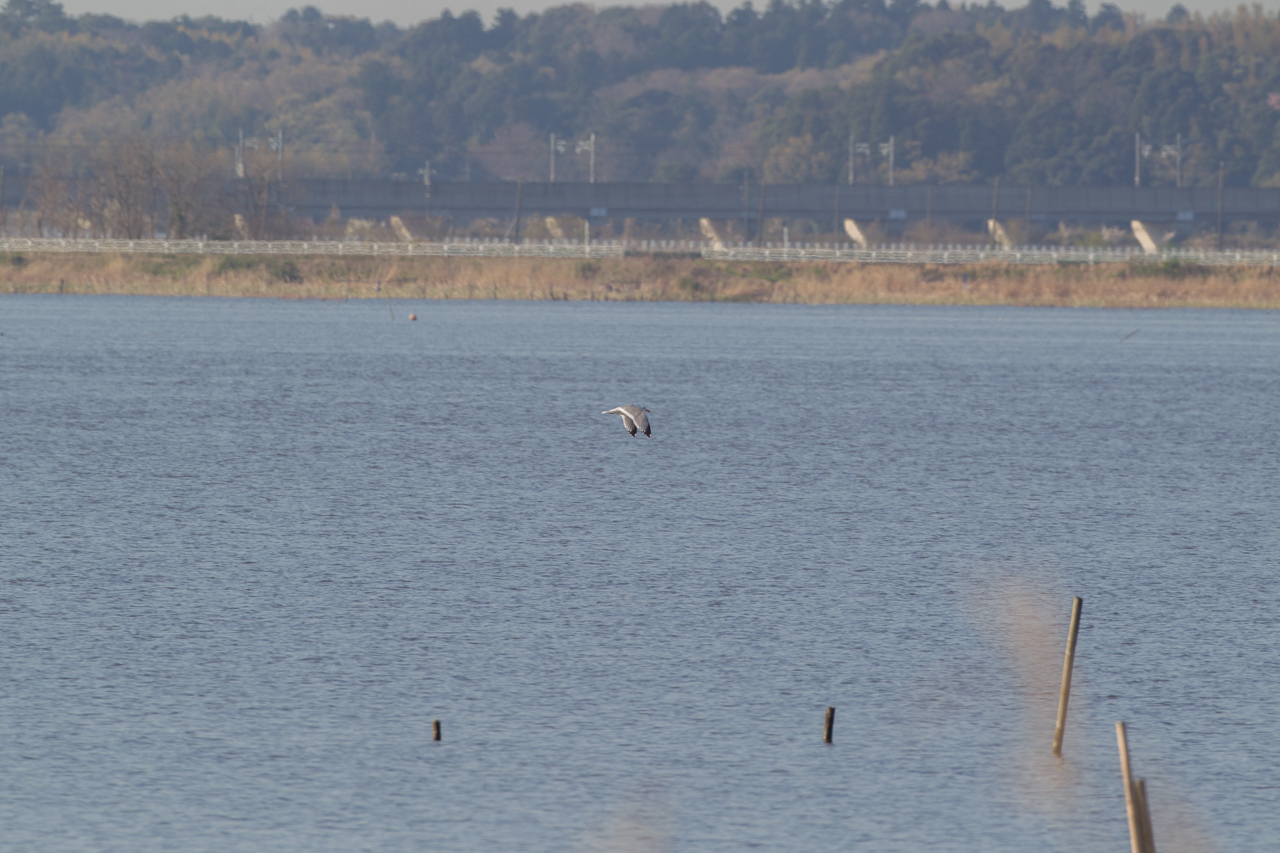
x=643, y=422
x=630, y=425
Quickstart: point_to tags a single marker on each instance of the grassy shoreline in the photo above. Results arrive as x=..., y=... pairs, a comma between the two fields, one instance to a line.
x=645, y=278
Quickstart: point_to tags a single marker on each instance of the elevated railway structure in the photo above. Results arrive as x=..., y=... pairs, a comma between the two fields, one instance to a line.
x=1158, y=206
x=844, y=208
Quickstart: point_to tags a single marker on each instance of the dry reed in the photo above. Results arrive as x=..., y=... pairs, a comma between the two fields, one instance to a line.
x=645, y=278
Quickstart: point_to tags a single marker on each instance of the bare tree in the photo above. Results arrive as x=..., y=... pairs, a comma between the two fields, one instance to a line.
x=259, y=201
x=126, y=185
x=516, y=152
x=190, y=177
x=62, y=200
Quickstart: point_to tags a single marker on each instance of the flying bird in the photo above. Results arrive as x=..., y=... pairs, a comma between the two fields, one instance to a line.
x=632, y=418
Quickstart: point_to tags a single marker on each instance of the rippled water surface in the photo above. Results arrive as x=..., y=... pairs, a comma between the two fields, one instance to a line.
x=249, y=550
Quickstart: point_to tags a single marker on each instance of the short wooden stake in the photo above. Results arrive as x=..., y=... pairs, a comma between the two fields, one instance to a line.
x=1067, y=666
x=1135, y=826
x=830, y=726
x=435, y=730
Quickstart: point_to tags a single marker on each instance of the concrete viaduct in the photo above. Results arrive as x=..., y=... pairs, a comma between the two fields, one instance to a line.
x=894, y=208
x=379, y=199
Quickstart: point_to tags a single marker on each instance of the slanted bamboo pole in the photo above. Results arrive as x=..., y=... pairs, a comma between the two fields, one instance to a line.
x=1135, y=827
x=1067, y=666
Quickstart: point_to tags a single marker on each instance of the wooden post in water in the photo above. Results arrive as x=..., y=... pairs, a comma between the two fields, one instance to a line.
x=1131, y=806
x=435, y=730
x=829, y=728
x=1066, y=676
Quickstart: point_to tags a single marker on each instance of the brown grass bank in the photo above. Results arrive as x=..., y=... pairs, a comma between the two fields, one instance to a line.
x=644, y=278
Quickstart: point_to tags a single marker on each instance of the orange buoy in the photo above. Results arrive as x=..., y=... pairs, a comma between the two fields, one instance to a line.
x=413, y=316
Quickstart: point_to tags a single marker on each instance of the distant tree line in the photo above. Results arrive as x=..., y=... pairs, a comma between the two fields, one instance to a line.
x=803, y=91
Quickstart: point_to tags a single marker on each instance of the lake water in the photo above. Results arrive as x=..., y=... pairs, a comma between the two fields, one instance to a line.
x=249, y=550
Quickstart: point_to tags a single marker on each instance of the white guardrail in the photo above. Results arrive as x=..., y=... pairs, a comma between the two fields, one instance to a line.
x=493, y=248
x=472, y=249
x=908, y=254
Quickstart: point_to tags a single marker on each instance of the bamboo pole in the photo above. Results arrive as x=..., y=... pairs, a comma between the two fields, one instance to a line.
x=1135, y=830
x=1067, y=666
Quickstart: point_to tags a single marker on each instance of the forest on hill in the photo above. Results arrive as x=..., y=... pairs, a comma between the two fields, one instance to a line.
x=795, y=91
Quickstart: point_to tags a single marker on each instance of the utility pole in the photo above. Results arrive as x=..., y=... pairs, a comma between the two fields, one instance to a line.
x=276, y=144
x=886, y=150
x=425, y=171
x=995, y=208
x=1222, y=166
x=851, y=158
x=553, y=158
x=1139, y=151
x=589, y=145
x=760, y=220
x=1174, y=151
x=1179, y=161
x=519, y=203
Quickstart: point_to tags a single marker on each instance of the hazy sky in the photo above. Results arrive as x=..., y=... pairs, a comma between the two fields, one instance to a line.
x=405, y=12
